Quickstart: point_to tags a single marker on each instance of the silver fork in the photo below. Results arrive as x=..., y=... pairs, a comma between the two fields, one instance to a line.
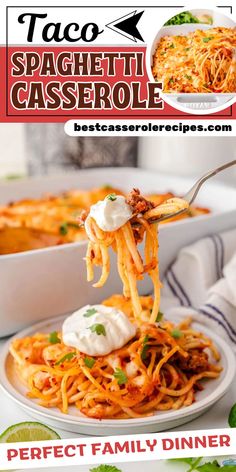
x=192, y=193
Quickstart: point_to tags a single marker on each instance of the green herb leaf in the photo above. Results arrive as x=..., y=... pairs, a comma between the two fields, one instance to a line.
x=53, y=338
x=120, y=376
x=90, y=312
x=105, y=468
x=89, y=362
x=159, y=316
x=171, y=46
x=63, y=229
x=186, y=49
x=112, y=197
x=145, y=348
x=66, y=357
x=176, y=333
x=194, y=464
x=181, y=18
x=98, y=328
x=206, y=40
x=189, y=77
x=232, y=417
x=171, y=80
x=225, y=468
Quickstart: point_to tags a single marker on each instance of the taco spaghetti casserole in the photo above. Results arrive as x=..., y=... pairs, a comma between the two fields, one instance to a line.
x=203, y=61
x=120, y=359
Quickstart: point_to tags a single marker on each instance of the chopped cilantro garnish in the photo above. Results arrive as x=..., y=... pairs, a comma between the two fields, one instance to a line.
x=206, y=40
x=145, y=348
x=159, y=316
x=171, y=80
x=112, y=197
x=176, y=333
x=90, y=312
x=186, y=49
x=53, y=338
x=171, y=46
x=189, y=77
x=64, y=227
x=66, y=357
x=181, y=18
x=98, y=328
x=105, y=468
x=120, y=376
x=89, y=362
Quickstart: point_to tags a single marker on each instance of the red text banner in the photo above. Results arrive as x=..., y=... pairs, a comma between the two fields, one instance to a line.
x=113, y=449
x=55, y=83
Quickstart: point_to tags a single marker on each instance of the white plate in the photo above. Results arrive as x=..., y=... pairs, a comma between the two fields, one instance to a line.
x=76, y=422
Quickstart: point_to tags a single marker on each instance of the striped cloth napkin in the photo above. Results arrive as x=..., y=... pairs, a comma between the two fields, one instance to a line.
x=202, y=282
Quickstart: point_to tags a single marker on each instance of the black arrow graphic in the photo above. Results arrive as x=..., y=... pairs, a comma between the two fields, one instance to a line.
x=127, y=26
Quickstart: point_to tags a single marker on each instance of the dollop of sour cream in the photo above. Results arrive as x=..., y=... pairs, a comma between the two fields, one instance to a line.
x=97, y=330
x=111, y=213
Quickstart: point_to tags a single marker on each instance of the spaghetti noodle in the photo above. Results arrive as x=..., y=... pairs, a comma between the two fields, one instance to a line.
x=204, y=61
x=124, y=241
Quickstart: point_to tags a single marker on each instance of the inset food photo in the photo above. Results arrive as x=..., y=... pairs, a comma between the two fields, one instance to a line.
x=194, y=57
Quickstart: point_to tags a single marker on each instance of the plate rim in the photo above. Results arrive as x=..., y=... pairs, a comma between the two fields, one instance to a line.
x=83, y=421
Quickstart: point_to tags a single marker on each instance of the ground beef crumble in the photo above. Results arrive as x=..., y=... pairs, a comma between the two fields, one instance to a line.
x=195, y=363
x=138, y=203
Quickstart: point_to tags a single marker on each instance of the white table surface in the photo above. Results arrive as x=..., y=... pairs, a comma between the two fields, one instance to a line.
x=216, y=417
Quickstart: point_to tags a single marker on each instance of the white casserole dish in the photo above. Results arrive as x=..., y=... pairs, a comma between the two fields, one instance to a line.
x=39, y=284
x=198, y=102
